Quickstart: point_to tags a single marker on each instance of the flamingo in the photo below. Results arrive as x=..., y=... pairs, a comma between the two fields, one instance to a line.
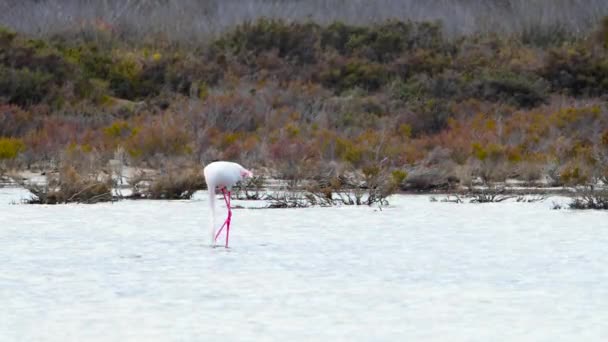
x=225, y=175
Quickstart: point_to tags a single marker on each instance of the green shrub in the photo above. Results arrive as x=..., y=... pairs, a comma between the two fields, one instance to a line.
x=294, y=41
x=381, y=42
x=30, y=70
x=602, y=33
x=349, y=74
x=25, y=87
x=120, y=130
x=543, y=35
x=6, y=36
x=520, y=90
x=21, y=53
x=428, y=115
x=447, y=85
x=577, y=71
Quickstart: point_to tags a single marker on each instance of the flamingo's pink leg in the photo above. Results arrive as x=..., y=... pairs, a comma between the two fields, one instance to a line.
x=228, y=219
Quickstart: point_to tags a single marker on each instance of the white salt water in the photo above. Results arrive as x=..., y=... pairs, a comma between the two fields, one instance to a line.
x=415, y=271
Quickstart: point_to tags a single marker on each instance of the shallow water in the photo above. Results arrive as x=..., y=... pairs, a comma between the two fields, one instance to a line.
x=142, y=271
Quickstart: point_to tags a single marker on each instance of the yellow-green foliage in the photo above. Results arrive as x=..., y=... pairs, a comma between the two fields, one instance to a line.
x=125, y=69
x=76, y=149
x=10, y=148
x=229, y=139
x=292, y=130
x=490, y=151
x=348, y=151
x=574, y=175
x=120, y=129
x=371, y=170
x=479, y=151
x=398, y=176
x=405, y=131
x=514, y=154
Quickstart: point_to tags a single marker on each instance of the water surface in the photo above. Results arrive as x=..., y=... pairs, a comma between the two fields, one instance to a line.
x=142, y=271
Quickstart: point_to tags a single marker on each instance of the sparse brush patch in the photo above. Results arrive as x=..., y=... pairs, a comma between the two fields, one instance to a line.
x=175, y=183
x=489, y=195
x=372, y=186
x=590, y=199
x=289, y=199
x=67, y=186
x=251, y=189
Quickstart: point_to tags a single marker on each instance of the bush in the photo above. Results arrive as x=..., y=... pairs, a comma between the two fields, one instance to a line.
x=342, y=75
x=175, y=183
x=10, y=148
x=576, y=71
x=445, y=87
x=163, y=137
x=590, y=199
x=381, y=42
x=520, y=90
x=31, y=70
x=545, y=35
x=15, y=121
x=428, y=115
x=296, y=42
x=573, y=175
x=370, y=186
x=25, y=87
x=70, y=186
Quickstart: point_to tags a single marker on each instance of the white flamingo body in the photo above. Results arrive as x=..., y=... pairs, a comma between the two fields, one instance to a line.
x=223, y=175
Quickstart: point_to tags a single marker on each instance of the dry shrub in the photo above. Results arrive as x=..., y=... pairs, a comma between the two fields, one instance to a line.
x=530, y=172
x=289, y=199
x=489, y=195
x=176, y=183
x=431, y=178
x=588, y=198
x=251, y=189
x=67, y=186
x=372, y=185
x=436, y=171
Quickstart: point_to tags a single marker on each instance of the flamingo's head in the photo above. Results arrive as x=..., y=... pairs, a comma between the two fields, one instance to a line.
x=246, y=174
